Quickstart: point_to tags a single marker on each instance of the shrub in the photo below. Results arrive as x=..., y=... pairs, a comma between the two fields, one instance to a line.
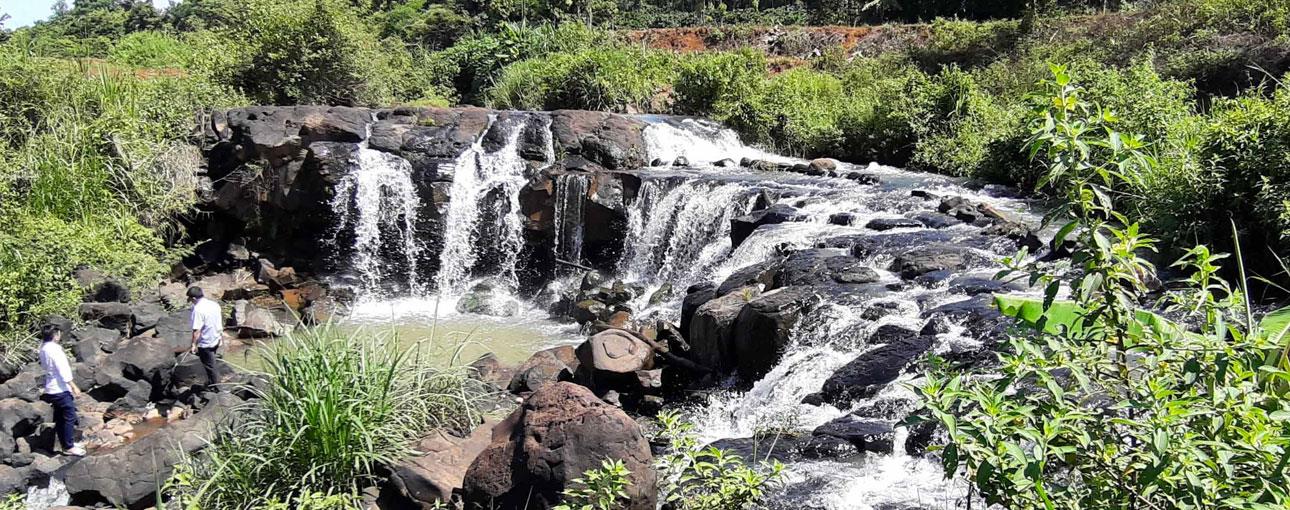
x=150, y=49
x=432, y=27
x=964, y=130
x=337, y=407
x=694, y=478
x=479, y=59
x=1248, y=142
x=714, y=84
x=602, y=489
x=1101, y=404
x=619, y=80
x=875, y=123
x=796, y=113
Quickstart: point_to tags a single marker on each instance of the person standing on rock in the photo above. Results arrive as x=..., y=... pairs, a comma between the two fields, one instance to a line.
x=60, y=390
x=208, y=328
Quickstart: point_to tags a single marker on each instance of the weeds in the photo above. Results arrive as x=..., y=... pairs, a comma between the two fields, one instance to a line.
x=336, y=408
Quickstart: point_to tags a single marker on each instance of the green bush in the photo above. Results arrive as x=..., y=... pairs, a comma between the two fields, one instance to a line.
x=875, y=121
x=797, y=112
x=714, y=84
x=337, y=407
x=431, y=27
x=93, y=172
x=150, y=49
x=964, y=130
x=619, y=80
x=476, y=62
x=1247, y=142
x=694, y=478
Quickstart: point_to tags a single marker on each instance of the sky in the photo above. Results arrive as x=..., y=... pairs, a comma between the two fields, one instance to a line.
x=25, y=12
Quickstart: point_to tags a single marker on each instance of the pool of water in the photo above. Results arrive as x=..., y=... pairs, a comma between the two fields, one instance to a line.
x=449, y=338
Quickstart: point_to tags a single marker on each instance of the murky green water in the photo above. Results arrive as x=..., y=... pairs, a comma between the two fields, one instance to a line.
x=457, y=339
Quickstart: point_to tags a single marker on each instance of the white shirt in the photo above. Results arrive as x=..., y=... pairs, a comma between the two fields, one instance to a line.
x=208, y=319
x=58, y=372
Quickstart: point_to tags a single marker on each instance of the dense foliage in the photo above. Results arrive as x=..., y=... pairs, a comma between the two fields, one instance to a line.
x=1102, y=404
x=339, y=406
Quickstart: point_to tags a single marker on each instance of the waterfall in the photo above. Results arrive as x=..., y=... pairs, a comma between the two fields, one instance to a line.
x=678, y=231
x=483, y=223
x=378, y=201
x=570, y=195
x=700, y=141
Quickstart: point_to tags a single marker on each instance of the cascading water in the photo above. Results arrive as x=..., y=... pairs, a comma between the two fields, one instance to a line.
x=485, y=186
x=570, y=195
x=378, y=202
x=678, y=231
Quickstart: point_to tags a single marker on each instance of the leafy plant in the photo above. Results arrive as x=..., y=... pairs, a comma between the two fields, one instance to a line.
x=1103, y=405
x=695, y=478
x=602, y=489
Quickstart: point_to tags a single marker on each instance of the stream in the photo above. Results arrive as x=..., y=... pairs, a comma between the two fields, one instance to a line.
x=678, y=234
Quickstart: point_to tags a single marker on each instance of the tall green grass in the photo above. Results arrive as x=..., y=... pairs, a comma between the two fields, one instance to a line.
x=336, y=406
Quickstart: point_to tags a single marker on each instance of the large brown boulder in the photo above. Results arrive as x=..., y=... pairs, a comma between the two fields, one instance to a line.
x=422, y=481
x=712, y=330
x=544, y=367
x=561, y=431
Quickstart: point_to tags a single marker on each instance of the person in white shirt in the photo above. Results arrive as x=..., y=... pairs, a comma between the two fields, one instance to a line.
x=60, y=389
x=208, y=331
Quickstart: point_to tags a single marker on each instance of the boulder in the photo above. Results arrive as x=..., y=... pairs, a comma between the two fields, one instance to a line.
x=560, y=432
x=936, y=220
x=866, y=374
x=482, y=299
x=877, y=436
x=823, y=265
x=128, y=476
x=176, y=328
x=712, y=330
x=862, y=178
x=13, y=479
x=590, y=310
x=105, y=339
x=881, y=224
x=934, y=257
x=761, y=274
x=743, y=226
x=144, y=358
x=189, y=371
x=844, y=219
x=823, y=166
x=253, y=321
x=612, y=357
x=543, y=368
x=110, y=315
x=27, y=384
x=763, y=327
x=19, y=418
x=695, y=296
x=430, y=478
x=145, y=316
x=99, y=288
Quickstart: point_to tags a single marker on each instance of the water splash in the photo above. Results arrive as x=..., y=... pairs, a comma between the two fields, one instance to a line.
x=700, y=141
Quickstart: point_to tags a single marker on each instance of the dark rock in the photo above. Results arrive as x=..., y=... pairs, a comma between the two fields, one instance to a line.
x=105, y=339
x=924, y=194
x=27, y=384
x=725, y=163
x=977, y=314
x=823, y=265
x=844, y=219
x=882, y=224
x=111, y=315
x=694, y=298
x=763, y=326
x=19, y=418
x=145, y=316
x=865, y=375
x=127, y=476
x=743, y=226
x=176, y=328
x=561, y=431
x=863, y=178
x=657, y=162
x=1017, y=232
x=934, y=257
x=825, y=447
x=681, y=161
x=189, y=371
x=866, y=434
x=145, y=359
x=761, y=273
x=590, y=310
x=936, y=220
x=712, y=330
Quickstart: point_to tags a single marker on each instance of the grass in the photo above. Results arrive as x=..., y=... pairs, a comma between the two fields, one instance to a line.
x=338, y=406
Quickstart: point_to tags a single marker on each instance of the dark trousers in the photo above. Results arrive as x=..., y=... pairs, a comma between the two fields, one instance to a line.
x=207, y=355
x=64, y=416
